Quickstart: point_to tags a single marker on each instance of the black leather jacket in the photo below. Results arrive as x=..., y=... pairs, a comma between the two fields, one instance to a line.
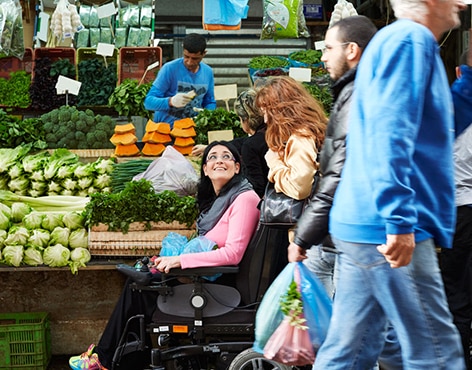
x=312, y=227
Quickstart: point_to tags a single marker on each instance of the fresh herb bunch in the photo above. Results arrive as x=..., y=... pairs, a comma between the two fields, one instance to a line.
x=14, y=92
x=267, y=61
x=309, y=56
x=218, y=119
x=128, y=99
x=291, y=306
x=138, y=202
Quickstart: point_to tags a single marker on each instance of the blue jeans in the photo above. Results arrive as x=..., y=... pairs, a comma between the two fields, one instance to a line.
x=322, y=264
x=370, y=294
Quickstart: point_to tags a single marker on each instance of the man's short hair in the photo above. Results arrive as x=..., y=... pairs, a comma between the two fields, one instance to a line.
x=194, y=43
x=357, y=28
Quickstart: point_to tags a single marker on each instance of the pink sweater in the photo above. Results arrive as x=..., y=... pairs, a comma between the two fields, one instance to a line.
x=232, y=234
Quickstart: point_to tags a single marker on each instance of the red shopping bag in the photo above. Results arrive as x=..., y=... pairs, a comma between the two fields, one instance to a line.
x=290, y=344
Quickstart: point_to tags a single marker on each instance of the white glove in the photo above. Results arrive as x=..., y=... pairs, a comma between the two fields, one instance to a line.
x=180, y=100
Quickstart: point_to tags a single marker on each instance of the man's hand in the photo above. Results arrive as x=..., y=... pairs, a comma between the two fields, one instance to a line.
x=398, y=250
x=296, y=253
x=180, y=100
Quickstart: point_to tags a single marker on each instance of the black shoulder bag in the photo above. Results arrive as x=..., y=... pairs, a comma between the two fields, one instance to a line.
x=279, y=210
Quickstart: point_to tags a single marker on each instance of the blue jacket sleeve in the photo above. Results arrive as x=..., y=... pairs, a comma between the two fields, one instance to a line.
x=462, y=97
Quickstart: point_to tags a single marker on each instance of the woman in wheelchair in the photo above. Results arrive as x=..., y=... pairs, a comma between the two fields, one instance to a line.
x=228, y=216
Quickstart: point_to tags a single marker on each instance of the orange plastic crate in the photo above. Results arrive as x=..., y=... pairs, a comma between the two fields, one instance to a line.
x=14, y=64
x=135, y=60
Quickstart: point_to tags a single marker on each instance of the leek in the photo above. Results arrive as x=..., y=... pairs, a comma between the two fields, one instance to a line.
x=52, y=203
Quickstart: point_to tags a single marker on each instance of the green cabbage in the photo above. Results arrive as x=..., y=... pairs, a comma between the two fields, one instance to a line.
x=19, y=184
x=33, y=220
x=51, y=221
x=56, y=256
x=39, y=238
x=33, y=257
x=103, y=165
x=13, y=255
x=59, y=157
x=19, y=210
x=17, y=235
x=73, y=220
x=79, y=257
x=78, y=239
x=60, y=235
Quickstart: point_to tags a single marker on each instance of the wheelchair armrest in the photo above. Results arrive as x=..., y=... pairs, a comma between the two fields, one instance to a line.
x=203, y=271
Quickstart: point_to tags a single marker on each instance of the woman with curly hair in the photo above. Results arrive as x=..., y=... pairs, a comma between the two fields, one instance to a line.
x=296, y=124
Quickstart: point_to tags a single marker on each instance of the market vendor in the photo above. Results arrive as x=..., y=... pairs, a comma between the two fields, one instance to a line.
x=183, y=86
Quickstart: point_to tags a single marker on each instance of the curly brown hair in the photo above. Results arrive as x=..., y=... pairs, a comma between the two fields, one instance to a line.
x=290, y=109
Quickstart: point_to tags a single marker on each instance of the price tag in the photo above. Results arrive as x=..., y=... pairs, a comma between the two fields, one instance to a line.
x=107, y=50
x=43, y=26
x=67, y=85
x=152, y=66
x=300, y=74
x=320, y=45
x=106, y=10
x=156, y=42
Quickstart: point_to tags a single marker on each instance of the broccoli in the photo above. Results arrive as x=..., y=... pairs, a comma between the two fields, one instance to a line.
x=62, y=143
x=48, y=127
x=81, y=126
x=82, y=144
x=74, y=117
x=101, y=136
x=64, y=114
x=80, y=136
x=91, y=139
x=70, y=136
x=51, y=138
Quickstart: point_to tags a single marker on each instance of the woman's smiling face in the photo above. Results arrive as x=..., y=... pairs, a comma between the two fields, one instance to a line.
x=220, y=166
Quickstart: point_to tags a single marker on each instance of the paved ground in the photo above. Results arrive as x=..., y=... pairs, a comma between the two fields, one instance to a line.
x=59, y=363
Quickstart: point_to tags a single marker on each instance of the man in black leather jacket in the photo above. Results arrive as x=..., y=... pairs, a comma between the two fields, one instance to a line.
x=344, y=43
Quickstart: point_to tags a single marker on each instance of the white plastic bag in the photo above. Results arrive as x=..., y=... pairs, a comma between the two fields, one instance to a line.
x=171, y=171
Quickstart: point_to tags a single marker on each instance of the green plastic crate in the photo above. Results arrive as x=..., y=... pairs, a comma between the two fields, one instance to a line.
x=25, y=340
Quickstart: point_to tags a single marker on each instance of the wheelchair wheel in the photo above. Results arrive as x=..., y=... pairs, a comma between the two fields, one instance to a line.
x=252, y=360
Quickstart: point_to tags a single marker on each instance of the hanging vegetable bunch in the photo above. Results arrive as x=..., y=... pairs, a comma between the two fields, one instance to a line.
x=65, y=21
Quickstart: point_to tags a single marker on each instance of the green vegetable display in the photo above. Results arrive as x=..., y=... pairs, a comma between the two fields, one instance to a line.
x=98, y=82
x=128, y=99
x=218, y=119
x=267, y=61
x=15, y=132
x=68, y=127
x=14, y=91
x=59, y=173
x=309, y=56
x=138, y=202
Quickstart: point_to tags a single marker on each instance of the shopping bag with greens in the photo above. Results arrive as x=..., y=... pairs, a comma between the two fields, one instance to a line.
x=293, y=318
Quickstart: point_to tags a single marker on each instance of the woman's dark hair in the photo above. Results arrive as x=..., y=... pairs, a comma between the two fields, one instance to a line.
x=205, y=193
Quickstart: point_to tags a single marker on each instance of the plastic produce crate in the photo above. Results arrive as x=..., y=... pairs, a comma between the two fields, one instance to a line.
x=135, y=60
x=14, y=64
x=55, y=54
x=25, y=341
x=91, y=53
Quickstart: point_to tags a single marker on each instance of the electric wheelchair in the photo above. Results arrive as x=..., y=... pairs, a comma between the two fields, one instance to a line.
x=207, y=325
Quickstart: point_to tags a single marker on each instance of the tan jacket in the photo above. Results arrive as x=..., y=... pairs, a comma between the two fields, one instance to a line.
x=293, y=174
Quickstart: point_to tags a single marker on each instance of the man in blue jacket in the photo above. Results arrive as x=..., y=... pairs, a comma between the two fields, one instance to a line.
x=183, y=84
x=456, y=262
x=395, y=201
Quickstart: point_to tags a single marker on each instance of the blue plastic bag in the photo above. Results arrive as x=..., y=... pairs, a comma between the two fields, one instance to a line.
x=175, y=244
x=317, y=306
